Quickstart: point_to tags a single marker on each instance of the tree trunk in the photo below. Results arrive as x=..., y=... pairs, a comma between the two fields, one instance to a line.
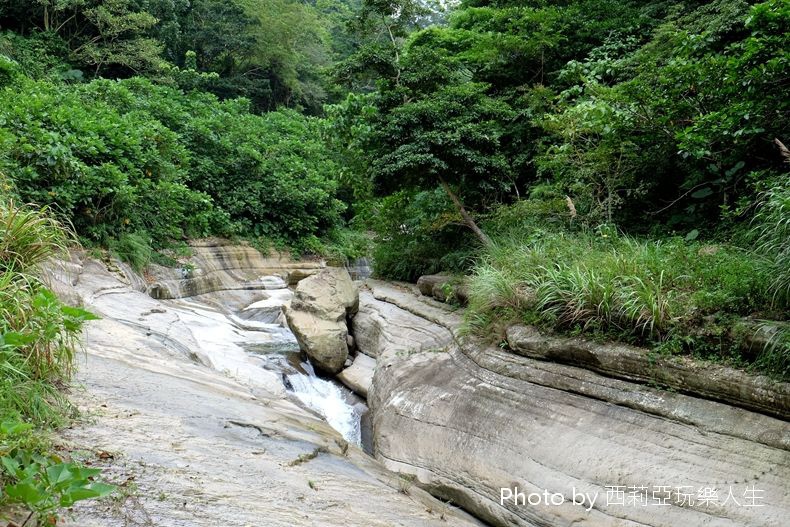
x=470, y=222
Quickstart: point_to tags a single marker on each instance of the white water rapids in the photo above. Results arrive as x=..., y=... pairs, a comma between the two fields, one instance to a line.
x=267, y=343
x=330, y=400
x=336, y=404
x=280, y=353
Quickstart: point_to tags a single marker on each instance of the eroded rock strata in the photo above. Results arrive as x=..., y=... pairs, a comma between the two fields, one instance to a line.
x=469, y=420
x=181, y=414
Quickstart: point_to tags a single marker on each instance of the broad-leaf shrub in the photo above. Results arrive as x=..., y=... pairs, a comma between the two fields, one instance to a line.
x=272, y=173
x=43, y=483
x=107, y=172
x=417, y=233
x=123, y=157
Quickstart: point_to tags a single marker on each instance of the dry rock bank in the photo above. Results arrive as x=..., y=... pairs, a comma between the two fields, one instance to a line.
x=468, y=420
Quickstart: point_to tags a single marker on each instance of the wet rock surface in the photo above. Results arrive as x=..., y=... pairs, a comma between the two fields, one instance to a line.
x=184, y=415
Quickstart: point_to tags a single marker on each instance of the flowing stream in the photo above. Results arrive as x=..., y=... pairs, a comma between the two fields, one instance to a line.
x=335, y=403
x=265, y=341
x=339, y=406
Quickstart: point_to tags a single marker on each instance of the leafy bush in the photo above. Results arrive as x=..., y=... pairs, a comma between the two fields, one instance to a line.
x=418, y=233
x=672, y=121
x=108, y=173
x=42, y=483
x=39, y=55
x=545, y=209
x=272, y=174
x=129, y=160
x=343, y=245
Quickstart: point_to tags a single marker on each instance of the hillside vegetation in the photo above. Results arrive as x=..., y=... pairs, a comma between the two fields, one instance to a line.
x=612, y=168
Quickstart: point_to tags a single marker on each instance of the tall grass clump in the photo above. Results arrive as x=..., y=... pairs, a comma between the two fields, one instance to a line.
x=29, y=236
x=38, y=334
x=772, y=233
x=666, y=293
x=133, y=248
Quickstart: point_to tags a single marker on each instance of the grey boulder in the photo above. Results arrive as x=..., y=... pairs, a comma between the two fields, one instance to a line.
x=318, y=316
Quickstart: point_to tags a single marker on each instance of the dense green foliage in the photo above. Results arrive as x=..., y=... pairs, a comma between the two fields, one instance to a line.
x=653, y=116
x=610, y=168
x=545, y=122
x=124, y=158
x=271, y=52
x=418, y=233
x=523, y=125
x=108, y=171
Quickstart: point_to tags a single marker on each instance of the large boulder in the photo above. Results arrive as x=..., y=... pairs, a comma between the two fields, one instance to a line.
x=472, y=423
x=318, y=316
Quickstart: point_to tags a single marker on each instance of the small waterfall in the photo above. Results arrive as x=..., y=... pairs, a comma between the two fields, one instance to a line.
x=335, y=403
x=330, y=400
x=360, y=268
x=252, y=334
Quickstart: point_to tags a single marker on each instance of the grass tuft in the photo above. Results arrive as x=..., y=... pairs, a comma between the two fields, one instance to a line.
x=667, y=293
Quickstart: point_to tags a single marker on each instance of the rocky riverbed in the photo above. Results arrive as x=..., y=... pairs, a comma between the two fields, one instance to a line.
x=196, y=425
x=197, y=402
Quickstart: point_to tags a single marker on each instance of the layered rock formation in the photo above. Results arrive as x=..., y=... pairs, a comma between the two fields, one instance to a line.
x=445, y=288
x=187, y=419
x=473, y=423
x=712, y=381
x=173, y=382
x=220, y=265
x=382, y=325
x=318, y=316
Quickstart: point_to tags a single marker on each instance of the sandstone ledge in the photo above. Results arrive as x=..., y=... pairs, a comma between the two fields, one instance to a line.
x=468, y=419
x=754, y=392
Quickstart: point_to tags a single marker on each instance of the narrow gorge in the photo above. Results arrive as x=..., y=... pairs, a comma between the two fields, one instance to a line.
x=198, y=405
x=197, y=399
